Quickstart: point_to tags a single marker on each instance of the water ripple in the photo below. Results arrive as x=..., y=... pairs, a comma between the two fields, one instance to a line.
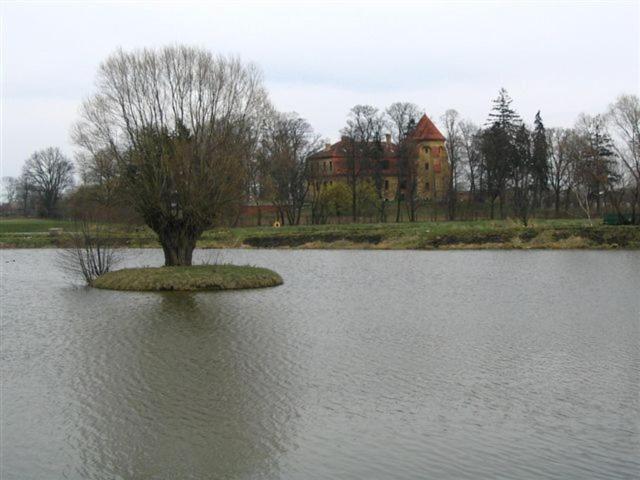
x=373, y=365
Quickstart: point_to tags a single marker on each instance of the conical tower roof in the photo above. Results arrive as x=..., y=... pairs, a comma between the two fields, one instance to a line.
x=426, y=130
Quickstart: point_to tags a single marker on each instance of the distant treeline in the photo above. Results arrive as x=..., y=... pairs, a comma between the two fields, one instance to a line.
x=257, y=156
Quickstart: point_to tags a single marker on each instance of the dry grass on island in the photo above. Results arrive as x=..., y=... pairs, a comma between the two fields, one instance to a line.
x=193, y=278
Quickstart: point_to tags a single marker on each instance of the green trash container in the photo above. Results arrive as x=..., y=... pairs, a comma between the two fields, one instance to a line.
x=615, y=219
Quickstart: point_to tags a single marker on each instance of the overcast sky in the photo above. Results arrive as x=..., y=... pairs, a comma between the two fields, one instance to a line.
x=320, y=59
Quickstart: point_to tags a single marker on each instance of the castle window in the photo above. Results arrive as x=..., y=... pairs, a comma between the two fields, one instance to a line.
x=426, y=166
x=426, y=187
x=386, y=184
x=426, y=149
x=330, y=166
x=403, y=184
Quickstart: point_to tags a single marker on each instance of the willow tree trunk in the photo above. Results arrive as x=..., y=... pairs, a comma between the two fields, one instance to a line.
x=178, y=247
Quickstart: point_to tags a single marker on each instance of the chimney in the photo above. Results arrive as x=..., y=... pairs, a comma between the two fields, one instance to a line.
x=388, y=137
x=327, y=146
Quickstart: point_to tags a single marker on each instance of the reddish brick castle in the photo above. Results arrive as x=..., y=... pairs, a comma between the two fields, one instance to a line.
x=431, y=164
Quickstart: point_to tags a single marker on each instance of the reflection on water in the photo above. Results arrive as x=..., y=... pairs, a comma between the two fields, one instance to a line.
x=362, y=365
x=175, y=389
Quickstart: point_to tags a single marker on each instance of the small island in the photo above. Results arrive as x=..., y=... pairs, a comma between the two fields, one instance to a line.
x=192, y=278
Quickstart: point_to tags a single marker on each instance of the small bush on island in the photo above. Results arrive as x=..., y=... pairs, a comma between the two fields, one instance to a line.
x=190, y=278
x=91, y=252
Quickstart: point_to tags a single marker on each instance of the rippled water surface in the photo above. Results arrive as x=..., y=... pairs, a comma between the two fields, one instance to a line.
x=369, y=365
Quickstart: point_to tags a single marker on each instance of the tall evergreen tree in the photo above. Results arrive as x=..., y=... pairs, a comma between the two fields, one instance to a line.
x=540, y=159
x=498, y=147
x=503, y=114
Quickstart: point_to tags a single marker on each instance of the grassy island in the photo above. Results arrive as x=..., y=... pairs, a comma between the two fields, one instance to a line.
x=194, y=278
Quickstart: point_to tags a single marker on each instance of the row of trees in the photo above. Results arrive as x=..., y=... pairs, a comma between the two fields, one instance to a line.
x=183, y=138
x=593, y=164
x=505, y=162
x=504, y=168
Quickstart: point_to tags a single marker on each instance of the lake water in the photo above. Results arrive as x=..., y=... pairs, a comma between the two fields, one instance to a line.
x=363, y=365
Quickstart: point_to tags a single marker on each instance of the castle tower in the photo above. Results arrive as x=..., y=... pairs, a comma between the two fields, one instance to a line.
x=432, y=162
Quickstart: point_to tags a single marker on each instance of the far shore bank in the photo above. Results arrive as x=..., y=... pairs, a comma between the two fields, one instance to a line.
x=483, y=234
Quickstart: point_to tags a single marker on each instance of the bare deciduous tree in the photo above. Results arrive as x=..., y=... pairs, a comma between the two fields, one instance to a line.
x=256, y=186
x=454, y=147
x=595, y=162
x=91, y=253
x=362, y=143
x=180, y=124
x=402, y=117
x=48, y=172
x=286, y=143
x=101, y=171
x=26, y=195
x=10, y=185
x=558, y=140
x=624, y=117
x=470, y=137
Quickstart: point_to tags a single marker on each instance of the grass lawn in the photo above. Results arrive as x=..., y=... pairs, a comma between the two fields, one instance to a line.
x=194, y=278
x=427, y=235
x=391, y=229
x=505, y=234
x=32, y=225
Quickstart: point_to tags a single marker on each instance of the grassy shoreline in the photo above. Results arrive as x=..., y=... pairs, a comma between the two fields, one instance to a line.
x=483, y=234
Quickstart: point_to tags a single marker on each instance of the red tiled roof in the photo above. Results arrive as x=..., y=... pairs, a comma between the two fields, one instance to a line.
x=339, y=149
x=426, y=130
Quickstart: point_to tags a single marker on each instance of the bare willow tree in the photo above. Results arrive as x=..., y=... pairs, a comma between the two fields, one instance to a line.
x=285, y=144
x=48, y=173
x=180, y=123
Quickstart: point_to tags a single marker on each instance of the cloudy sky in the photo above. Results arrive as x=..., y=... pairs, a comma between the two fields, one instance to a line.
x=319, y=59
